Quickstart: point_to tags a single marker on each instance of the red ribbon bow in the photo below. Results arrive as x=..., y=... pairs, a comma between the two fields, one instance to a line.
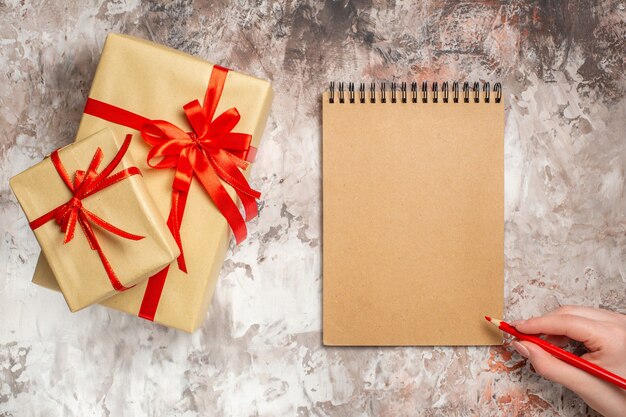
x=212, y=152
x=73, y=212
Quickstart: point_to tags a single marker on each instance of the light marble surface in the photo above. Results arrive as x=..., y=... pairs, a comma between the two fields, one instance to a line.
x=260, y=353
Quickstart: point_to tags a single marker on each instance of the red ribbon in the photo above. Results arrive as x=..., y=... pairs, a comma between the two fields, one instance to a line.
x=212, y=152
x=73, y=212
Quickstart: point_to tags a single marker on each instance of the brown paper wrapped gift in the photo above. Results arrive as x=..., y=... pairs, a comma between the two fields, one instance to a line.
x=155, y=82
x=114, y=235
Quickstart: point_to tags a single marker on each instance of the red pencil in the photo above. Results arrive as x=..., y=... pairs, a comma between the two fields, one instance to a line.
x=561, y=354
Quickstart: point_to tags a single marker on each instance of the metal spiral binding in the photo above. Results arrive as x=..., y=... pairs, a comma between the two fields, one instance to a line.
x=471, y=93
x=498, y=90
x=487, y=91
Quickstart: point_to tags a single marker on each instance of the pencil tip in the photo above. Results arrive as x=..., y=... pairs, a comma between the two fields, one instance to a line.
x=495, y=322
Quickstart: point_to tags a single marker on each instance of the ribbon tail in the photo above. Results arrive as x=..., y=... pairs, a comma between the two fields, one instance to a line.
x=70, y=226
x=225, y=204
x=95, y=245
x=109, y=227
x=226, y=168
x=251, y=154
x=174, y=222
x=249, y=205
x=180, y=190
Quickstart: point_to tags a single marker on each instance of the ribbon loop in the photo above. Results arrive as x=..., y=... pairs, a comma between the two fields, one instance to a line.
x=224, y=123
x=73, y=212
x=193, y=111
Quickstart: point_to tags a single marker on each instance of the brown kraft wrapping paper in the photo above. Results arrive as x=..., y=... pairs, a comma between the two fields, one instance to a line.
x=126, y=204
x=156, y=82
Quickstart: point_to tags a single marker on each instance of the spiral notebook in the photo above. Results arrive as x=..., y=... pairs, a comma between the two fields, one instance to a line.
x=413, y=213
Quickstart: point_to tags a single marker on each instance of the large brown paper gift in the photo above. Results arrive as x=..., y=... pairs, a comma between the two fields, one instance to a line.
x=107, y=207
x=155, y=82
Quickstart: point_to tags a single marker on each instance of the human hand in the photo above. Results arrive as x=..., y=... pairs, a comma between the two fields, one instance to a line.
x=604, y=335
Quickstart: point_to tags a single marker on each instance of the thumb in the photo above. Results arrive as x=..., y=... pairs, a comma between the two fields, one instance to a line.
x=554, y=369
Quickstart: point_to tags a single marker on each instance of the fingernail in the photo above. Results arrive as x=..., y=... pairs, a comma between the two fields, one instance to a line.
x=518, y=323
x=521, y=349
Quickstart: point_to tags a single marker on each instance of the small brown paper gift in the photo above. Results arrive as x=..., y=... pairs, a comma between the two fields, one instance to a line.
x=94, y=219
x=151, y=91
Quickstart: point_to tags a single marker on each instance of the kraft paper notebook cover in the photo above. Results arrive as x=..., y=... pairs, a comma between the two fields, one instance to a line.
x=413, y=214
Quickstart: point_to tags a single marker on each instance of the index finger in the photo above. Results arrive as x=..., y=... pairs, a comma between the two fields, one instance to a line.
x=592, y=313
x=575, y=327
